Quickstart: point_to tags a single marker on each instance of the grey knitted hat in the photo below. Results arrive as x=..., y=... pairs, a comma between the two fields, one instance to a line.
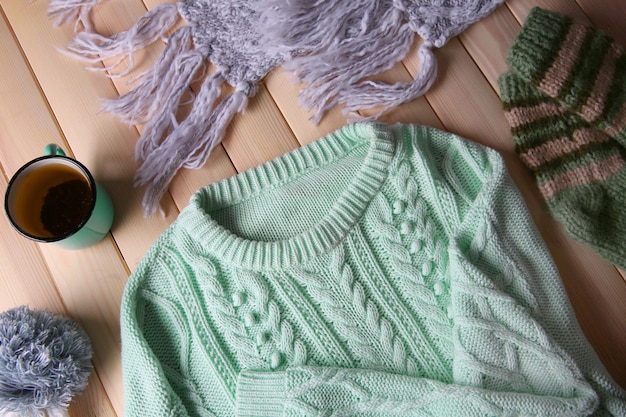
x=45, y=360
x=330, y=45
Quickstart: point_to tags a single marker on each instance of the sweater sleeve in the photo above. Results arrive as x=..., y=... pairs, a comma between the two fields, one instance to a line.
x=514, y=326
x=147, y=391
x=315, y=391
x=517, y=348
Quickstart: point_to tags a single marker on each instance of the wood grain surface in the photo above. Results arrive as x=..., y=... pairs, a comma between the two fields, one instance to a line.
x=46, y=96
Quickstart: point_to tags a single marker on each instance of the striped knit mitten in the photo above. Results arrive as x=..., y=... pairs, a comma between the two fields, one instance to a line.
x=581, y=67
x=581, y=171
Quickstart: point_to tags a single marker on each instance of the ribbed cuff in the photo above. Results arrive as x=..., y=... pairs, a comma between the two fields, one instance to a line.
x=538, y=43
x=260, y=394
x=515, y=91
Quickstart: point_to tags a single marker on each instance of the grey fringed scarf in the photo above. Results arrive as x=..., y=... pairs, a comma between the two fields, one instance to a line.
x=349, y=40
x=330, y=45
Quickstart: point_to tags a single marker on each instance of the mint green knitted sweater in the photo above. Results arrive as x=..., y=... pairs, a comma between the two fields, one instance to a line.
x=380, y=271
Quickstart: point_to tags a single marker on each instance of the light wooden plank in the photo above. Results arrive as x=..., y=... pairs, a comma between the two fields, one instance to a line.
x=609, y=18
x=460, y=85
x=20, y=93
x=93, y=401
x=104, y=145
x=597, y=296
x=21, y=257
x=218, y=167
x=578, y=265
x=284, y=90
x=418, y=111
x=89, y=281
x=260, y=134
x=25, y=280
x=488, y=43
x=521, y=8
x=45, y=96
x=24, y=275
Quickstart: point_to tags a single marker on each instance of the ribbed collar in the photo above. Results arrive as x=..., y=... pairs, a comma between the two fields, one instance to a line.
x=324, y=235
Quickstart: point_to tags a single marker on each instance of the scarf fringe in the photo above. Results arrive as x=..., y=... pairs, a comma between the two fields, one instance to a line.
x=77, y=11
x=166, y=144
x=159, y=90
x=94, y=48
x=341, y=46
x=189, y=143
x=372, y=94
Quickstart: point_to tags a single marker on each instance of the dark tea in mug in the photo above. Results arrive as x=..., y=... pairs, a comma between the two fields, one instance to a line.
x=54, y=199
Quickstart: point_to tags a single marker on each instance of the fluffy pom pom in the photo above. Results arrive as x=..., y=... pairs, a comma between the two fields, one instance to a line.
x=45, y=359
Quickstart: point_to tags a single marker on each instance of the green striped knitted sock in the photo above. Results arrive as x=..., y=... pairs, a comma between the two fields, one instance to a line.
x=581, y=171
x=581, y=67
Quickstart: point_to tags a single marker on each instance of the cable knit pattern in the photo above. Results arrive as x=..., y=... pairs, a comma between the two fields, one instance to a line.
x=380, y=271
x=357, y=318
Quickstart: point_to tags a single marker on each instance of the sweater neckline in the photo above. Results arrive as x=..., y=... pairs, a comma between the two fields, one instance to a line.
x=327, y=233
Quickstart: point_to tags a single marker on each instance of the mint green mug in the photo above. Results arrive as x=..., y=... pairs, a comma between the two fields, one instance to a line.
x=55, y=199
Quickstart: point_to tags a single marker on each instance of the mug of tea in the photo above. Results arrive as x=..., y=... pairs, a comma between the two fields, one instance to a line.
x=55, y=199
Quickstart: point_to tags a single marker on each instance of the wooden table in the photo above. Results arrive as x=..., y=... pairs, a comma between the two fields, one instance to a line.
x=48, y=97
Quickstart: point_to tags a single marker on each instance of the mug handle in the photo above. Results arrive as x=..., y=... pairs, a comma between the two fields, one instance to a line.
x=53, y=149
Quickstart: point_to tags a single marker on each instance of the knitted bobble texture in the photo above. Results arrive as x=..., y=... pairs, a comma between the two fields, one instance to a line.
x=580, y=171
x=578, y=65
